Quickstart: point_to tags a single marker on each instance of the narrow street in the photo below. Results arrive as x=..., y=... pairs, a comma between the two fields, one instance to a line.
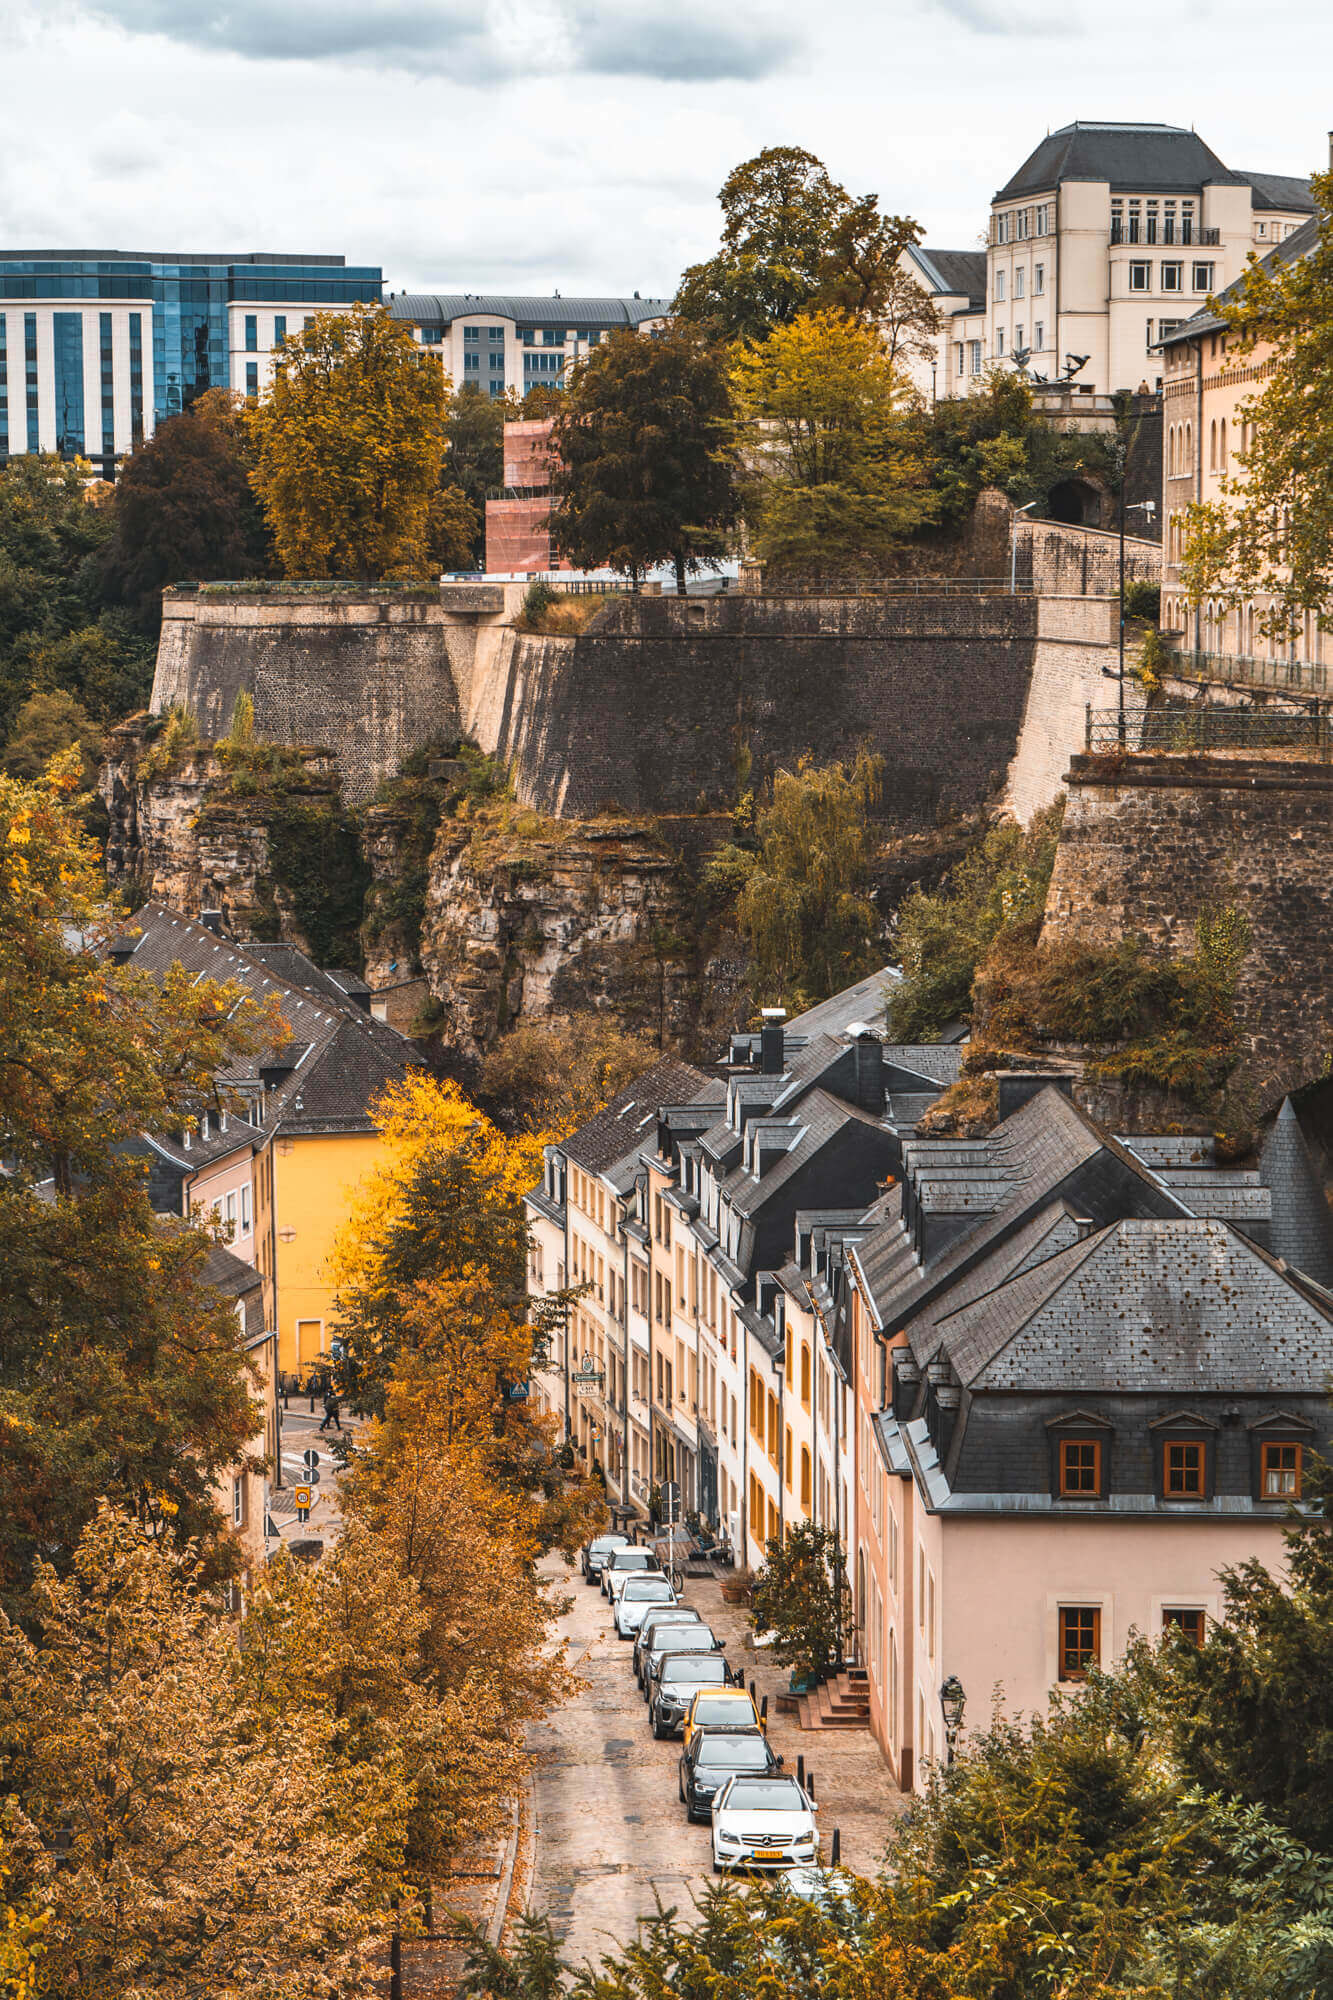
x=611, y=1837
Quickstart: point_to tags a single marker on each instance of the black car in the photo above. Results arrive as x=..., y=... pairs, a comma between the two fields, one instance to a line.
x=669, y=1639
x=714, y=1756
x=658, y=1617
x=596, y=1552
x=678, y=1679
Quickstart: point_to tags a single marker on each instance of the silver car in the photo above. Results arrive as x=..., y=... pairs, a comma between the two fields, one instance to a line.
x=638, y=1596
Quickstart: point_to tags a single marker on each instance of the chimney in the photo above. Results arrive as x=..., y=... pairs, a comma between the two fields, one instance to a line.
x=906, y=1380
x=869, y=1056
x=772, y=1041
x=211, y=921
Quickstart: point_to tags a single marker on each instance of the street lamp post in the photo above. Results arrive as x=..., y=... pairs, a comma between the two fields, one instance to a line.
x=1148, y=507
x=952, y=1702
x=1013, y=545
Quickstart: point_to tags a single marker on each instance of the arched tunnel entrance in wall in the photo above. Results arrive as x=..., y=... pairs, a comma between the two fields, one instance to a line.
x=1075, y=502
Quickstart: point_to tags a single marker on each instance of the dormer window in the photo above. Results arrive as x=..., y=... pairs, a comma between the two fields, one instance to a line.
x=1184, y=1469
x=1080, y=1468
x=1280, y=1471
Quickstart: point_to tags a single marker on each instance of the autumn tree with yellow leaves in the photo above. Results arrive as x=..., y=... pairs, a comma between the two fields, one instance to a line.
x=350, y=444
x=121, y=1373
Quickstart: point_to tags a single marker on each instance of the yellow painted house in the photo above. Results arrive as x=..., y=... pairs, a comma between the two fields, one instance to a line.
x=278, y=1170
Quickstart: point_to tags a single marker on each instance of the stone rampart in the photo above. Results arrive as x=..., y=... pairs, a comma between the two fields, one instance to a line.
x=1149, y=842
x=1062, y=561
x=651, y=709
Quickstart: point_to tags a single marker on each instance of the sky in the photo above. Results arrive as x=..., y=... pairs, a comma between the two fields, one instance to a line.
x=535, y=145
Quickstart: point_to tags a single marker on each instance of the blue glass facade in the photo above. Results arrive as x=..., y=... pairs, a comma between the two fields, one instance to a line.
x=108, y=382
x=67, y=341
x=187, y=299
x=136, y=377
x=4, y=388
x=30, y=378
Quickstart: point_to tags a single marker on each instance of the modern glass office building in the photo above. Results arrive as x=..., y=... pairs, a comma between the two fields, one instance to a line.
x=97, y=346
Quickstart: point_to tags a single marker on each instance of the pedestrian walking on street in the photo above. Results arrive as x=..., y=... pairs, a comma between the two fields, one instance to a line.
x=332, y=1413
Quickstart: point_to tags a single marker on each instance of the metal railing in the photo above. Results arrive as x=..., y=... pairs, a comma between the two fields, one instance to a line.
x=1184, y=732
x=1246, y=670
x=902, y=586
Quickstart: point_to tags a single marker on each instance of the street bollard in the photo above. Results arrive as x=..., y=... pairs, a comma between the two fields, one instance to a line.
x=800, y=1770
x=763, y=1709
x=835, y=1852
x=810, y=1784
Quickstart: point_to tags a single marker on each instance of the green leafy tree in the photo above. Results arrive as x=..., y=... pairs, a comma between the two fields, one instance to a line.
x=805, y=908
x=942, y=935
x=802, y=1597
x=45, y=725
x=1273, y=538
x=121, y=1372
x=350, y=448
x=794, y=241
x=641, y=470
x=834, y=481
x=185, y=511
x=1250, y=1712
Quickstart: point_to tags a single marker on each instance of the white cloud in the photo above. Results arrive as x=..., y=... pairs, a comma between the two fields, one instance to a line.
x=579, y=144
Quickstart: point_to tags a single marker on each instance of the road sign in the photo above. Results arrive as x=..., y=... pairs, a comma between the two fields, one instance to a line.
x=310, y=1459
x=303, y=1497
x=312, y=1478
x=670, y=1496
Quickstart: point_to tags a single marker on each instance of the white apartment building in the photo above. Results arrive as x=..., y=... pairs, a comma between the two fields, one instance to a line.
x=1107, y=238
x=500, y=343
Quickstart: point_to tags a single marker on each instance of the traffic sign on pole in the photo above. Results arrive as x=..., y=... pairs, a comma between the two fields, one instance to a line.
x=310, y=1459
x=303, y=1499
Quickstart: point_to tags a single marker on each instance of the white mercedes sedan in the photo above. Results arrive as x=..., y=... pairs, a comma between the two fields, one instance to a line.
x=763, y=1823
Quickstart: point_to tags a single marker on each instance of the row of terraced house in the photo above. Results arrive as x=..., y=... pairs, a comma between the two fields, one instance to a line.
x=1044, y=1385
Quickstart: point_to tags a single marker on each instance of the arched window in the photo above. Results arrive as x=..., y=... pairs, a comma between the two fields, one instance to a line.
x=805, y=1477
x=805, y=1374
x=1171, y=452
x=1212, y=446
x=1222, y=447
x=1188, y=465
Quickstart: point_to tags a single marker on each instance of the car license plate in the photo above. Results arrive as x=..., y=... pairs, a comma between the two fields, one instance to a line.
x=768, y=1854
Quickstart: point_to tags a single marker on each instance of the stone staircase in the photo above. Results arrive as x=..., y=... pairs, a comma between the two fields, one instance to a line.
x=840, y=1703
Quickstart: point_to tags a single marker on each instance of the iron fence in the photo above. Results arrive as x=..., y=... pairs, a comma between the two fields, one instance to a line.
x=1240, y=669
x=1182, y=732
x=903, y=586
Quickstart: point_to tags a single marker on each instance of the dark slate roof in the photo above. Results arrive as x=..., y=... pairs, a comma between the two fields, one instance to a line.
x=1299, y=244
x=936, y=1062
x=1146, y=1306
x=235, y=1279
x=442, y=308
x=956, y=273
x=342, y=1058
x=630, y=1119
x=1300, y=1230
x=1286, y=192
x=862, y=1002
x=1150, y=159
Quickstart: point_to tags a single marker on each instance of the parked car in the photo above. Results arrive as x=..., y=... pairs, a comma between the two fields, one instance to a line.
x=670, y=1639
x=627, y=1562
x=679, y=1678
x=655, y=1618
x=723, y=1708
x=763, y=1823
x=716, y=1755
x=596, y=1552
x=638, y=1595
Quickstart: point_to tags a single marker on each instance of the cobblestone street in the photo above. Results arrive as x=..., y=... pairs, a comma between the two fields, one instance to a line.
x=611, y=1835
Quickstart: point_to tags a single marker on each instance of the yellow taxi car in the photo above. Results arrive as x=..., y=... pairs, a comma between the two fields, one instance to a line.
x=724, y=1708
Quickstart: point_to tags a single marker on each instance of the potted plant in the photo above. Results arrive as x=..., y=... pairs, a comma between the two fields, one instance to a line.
x=800, y=1596
x=737, y=1586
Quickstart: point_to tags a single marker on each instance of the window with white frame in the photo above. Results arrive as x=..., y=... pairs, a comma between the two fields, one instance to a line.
x=999, y=284
x=1140, y=276
x=1039, y=280
x=1020, y=280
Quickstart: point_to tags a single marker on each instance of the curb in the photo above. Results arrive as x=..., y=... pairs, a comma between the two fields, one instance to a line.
x=500, y=1914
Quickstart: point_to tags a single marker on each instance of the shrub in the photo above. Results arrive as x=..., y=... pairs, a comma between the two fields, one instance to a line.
x=1143, y=600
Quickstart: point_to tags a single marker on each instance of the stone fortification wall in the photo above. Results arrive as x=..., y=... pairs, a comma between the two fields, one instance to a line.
x=1060, y=561
x=1149, y=842
x=1074, y=668
x=651, y=709
x=364, y=672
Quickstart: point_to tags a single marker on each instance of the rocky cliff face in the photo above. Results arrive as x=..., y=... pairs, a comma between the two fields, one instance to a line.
x=473, y=913
x=538, y=920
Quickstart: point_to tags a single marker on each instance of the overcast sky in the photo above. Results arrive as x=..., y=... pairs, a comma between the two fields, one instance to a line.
x=524, y=145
